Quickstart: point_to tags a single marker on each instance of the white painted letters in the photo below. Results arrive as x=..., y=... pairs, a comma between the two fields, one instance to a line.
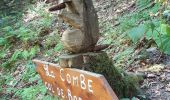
x=48, y=73
x=90, y=86
x=82, y=81
x=62, y=75
x=68, y=78
x=75, y=81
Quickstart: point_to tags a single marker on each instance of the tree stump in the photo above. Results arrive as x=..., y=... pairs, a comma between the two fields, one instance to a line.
x=81, y=37
x=124, y=86
x=71, y=61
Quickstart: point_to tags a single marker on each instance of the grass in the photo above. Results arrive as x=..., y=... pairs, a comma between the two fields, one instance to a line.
x=34, y=35
x=20, y=42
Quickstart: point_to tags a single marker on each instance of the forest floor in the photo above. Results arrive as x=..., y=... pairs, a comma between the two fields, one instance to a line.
x=155, y=66
x=149, y=62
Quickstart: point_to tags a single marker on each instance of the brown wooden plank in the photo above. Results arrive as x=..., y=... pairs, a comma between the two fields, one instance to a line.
x=74, y=84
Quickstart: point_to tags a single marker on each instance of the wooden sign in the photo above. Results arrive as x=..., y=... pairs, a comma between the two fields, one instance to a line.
x=74, y=84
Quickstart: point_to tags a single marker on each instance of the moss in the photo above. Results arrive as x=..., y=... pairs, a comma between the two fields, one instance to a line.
x=123, y=86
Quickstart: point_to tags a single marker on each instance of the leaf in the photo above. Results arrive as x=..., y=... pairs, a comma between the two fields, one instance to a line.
x=142, y=3
x=137, y=33
x=165, y=29
x=163, y=42
x=134, y=98
x=3, y=41
x=58, y=47
x=33, y=51
x=125, y=99
x=15, y=55
x=25, y=54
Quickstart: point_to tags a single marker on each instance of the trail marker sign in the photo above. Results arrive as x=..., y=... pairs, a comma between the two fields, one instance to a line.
x=74, y=84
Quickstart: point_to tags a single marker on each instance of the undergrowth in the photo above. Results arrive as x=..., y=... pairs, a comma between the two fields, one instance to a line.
x=31, y=34
x=22, y=38
x=144, y=23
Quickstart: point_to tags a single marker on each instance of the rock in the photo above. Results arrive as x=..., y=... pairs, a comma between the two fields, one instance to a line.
x=168, y=77
x=151, y=76
x=167, y=87
x=154, y=54
x=156, y=68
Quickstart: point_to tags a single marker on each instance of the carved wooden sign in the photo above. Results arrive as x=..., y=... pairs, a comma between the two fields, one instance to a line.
x=74, y=84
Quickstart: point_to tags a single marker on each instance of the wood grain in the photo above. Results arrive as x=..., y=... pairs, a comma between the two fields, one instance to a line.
x=74, y=84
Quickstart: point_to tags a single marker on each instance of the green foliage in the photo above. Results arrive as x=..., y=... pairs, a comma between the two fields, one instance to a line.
x=3, y=41
x=25, y=34
x=29, y=73
x=58, y=47
x=152, y=28
x=132, y=20
x=140, y=30
x=142, y=3
x=31, y=92
x=14, y=7
x=21, y=40
x=38, y=91
x=29, y=54
x=19, y=54
x=165, y=29
x=12, y=60
x=3, y=52
x=163, y=42
x=17, y=35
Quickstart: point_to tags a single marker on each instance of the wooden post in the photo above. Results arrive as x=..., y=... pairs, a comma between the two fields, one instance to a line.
x=80, y=39
x=71, y=61
x=124, y=86
x=80, y=15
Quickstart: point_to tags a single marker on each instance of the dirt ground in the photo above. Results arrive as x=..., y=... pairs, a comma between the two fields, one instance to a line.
x=156, y=85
